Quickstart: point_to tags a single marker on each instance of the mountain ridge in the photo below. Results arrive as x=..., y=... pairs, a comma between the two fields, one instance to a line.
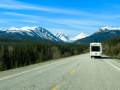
x=38, y=32
x=67, y=38
x=102, y=34
x=24, y=32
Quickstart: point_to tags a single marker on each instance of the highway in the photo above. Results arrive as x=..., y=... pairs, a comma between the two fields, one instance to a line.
x=72, y=73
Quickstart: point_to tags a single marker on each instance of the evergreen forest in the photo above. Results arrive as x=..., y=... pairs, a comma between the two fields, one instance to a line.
x=20, y=55
x=112, y=47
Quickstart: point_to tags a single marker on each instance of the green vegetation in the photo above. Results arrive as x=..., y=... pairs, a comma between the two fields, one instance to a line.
x=15, y=54
x=112, y=47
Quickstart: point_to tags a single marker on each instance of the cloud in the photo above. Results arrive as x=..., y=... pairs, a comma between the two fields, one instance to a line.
x=19, y=14
x=17, y=5
x=66, y=22
x=110, y=16
x=78, y=23
x=4, y=20
x=28, y=18
x=29, y=21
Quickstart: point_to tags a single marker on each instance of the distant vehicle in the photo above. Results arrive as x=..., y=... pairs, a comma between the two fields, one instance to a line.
x=95, y=49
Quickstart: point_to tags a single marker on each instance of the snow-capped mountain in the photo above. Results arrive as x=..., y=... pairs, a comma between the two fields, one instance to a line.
x=108, y=28
x=67, y=38
x=25, y=32
x=102, y=34
x=80, y=36
x=63, y=37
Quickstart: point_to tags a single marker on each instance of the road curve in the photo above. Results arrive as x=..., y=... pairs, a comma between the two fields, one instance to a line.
x=73, y=73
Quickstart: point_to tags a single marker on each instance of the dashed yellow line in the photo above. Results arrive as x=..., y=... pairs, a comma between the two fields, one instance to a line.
x=73, y=71
x=81, y=62
x=55, y=88
x=76, y=67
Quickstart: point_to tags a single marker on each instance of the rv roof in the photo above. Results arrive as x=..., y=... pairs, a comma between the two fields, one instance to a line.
x=95, y=43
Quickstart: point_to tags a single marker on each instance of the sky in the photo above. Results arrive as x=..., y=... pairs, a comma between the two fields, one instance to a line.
x=70, y=17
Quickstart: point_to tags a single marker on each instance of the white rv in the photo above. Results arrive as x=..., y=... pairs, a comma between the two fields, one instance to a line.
x=95, y=49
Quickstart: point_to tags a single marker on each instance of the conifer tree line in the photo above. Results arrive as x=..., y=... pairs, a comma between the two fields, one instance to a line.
x=112, y=47
x=12, y=56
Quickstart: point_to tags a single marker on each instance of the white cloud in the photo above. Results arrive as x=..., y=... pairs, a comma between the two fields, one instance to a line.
x=27, y=18
x=110, y=16
x=29, y=21
x=78, y=23
x=17, y=5
x=81, y=24
x=4, y=20
x=19, y=14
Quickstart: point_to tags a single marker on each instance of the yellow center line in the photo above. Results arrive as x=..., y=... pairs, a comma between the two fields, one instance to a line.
x=75, y=68
x=56, y=87
x=81, y=62
x=73, y=71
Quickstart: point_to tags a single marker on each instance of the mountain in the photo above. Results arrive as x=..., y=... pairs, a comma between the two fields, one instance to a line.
x=80, y=36
x=28, y=32
x=63, y=37
x=67, y=38
x=107, y=28
x=104, y=33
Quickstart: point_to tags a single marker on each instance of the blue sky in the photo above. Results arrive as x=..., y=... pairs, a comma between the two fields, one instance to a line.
x=67, y=16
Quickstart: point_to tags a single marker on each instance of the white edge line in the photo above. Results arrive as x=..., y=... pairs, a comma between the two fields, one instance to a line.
x=113, y=65
x=29, y=71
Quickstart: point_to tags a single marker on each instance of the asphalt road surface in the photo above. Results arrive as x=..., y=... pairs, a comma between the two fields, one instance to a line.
x=73, y=73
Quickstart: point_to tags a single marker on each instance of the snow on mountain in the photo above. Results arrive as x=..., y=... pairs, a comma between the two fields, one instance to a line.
x=38, y=32
x=63, y=37
x=80, y=36
x=107, y=28
x=67, y=38
x=35, y=31
x=104, y=33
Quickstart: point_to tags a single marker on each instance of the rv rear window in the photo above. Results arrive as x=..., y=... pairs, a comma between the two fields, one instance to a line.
x=95, y=48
